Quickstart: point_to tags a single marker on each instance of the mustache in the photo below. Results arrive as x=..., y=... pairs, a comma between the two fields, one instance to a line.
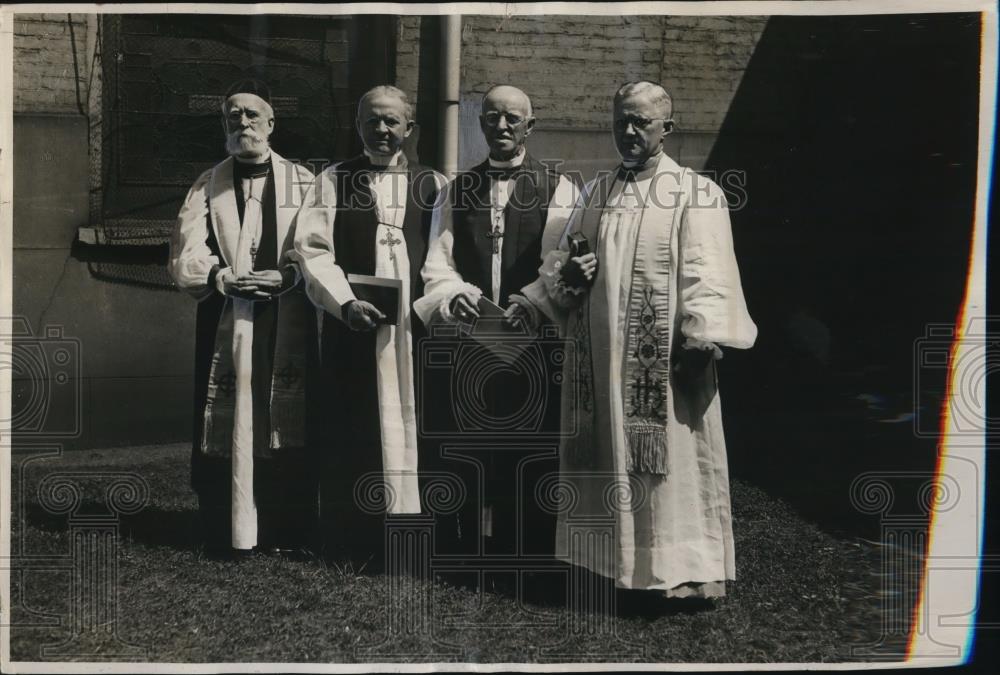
x=253, y=135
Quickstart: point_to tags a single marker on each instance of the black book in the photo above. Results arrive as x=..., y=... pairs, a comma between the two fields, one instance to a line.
x=382, y=292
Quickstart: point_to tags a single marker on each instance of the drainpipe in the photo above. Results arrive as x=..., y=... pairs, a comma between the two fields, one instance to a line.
x=451, y=61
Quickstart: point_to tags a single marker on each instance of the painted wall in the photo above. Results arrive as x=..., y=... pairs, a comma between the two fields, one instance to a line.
x=131, y=374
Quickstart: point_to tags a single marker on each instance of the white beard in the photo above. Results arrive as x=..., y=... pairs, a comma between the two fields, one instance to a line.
x=247, y=147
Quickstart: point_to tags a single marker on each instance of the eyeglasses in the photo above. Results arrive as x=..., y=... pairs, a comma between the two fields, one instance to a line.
x=390, y=122
x=254, y=118
x=640, y=123
x=514, y=120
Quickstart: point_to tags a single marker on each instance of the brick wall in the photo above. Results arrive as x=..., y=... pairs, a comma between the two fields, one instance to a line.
x=702, y=64
x=45, y=78
x=408, y=54
x=570, y=66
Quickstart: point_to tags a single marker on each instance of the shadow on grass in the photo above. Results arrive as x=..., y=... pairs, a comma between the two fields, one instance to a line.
x=539, y=589
x=152, y=526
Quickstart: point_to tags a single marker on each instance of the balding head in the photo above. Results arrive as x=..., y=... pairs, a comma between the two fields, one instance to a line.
x=506, y=121
x=653, y=93
x=506, y=95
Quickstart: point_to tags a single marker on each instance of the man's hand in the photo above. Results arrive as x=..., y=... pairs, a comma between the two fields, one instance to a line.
x=689, y=365
x=463, y=308
x=262, y=284
x=518, y=316
x=242, y=287
x=579, y=271
x=362, y=316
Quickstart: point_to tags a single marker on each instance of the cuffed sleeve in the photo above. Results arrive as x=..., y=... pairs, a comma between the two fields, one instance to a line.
x=442, y=282
x=560, y=209
x=191, y=262
x=548, y=294
x=313, y=252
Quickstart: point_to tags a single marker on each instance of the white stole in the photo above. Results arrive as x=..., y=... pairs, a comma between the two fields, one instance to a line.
x=244, y=515
x=394, y=348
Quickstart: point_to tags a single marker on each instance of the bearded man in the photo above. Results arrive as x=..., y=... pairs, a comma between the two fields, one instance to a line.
x=229, y=250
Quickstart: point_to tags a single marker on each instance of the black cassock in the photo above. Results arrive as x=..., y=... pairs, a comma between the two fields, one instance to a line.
x=502, y=421
x=342, y=397
x=284, y=484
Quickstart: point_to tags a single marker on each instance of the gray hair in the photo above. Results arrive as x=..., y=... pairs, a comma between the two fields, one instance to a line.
x=388, y=90
x=658, y=95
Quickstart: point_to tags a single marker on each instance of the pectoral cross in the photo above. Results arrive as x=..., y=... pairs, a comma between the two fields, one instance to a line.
x=391, y=242
x=253, y=254
x=495, y=235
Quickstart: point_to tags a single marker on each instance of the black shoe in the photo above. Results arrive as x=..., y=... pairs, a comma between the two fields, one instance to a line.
x=241, y=554
x=294, y=554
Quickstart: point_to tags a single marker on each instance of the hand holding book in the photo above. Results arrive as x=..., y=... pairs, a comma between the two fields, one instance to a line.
x=581, y=268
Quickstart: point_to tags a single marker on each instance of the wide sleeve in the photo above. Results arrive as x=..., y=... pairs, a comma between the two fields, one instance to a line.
x=299, y=187
x=712, y=308
x=559, y=211
x=313, y=250
x=191, y=261
x=442, y=282
x=548, y=294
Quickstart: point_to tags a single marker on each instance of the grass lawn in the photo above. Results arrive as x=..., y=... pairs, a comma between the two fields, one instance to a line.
x=802, y=595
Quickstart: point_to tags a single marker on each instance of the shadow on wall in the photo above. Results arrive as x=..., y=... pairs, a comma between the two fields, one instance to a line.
x=858, y=138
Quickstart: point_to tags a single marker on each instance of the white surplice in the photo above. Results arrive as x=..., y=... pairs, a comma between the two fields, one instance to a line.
x=326, y=285
x=670, y=532
x=211, y=206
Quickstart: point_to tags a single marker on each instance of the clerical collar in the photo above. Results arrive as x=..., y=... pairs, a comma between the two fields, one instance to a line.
x=382, y=160
x=631, y=170
x=511, y=163
x=252, y=170
x=380, y=163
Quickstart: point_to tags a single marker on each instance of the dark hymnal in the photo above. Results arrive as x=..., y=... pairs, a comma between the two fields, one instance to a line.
x=382, y=292
x=492, y=331
x=571, y=274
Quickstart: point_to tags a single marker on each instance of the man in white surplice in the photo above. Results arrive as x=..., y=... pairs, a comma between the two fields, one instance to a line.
x=230, y=250
x=648, y=313
x=370, y=215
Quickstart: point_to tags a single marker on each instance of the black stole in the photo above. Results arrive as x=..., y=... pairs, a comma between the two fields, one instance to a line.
x=348, y=362
x=524, y=223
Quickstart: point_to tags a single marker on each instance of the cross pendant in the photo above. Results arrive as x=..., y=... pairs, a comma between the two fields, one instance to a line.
x=253, y=254
x=391, y=242
x=495, y=235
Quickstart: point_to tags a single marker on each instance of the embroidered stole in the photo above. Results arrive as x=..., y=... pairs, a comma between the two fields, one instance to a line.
x=223, y=413
x=645, y=368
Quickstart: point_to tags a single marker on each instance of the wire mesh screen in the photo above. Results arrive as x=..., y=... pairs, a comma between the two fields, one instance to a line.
x=164, y=80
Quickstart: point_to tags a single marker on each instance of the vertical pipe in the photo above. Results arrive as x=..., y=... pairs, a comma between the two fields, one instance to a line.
x=451, y=45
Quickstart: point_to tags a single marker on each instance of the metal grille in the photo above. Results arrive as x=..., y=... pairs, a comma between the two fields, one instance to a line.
x=164, y=79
